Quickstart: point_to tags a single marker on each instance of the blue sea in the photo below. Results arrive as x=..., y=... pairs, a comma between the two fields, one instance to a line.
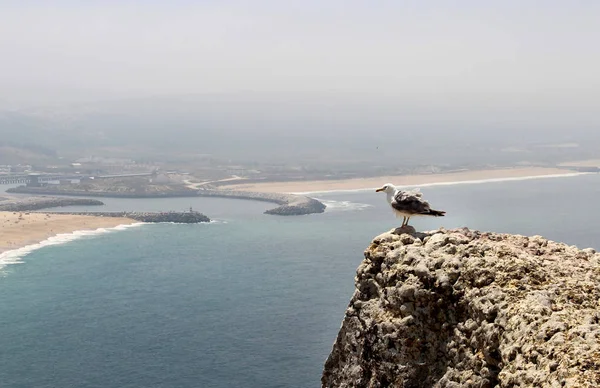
x=250, y=300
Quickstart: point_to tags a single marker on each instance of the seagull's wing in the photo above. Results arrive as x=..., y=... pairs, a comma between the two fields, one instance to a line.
x=416, y=192
x=410, y=203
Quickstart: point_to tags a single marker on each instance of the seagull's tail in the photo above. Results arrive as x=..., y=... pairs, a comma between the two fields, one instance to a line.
x=436, y=213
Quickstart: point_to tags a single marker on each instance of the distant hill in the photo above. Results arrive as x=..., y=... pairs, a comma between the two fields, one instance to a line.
x=29, y=154
x=353, y=131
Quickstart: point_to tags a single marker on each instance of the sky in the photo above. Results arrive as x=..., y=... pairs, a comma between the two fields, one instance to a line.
x=520, y=58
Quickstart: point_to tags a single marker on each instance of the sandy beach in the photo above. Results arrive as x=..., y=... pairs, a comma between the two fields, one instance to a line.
x=400, y=180
x=21, y=229
x=583, y=163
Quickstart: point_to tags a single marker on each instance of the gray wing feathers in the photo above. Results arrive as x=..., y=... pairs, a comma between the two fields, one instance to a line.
x=410, y=202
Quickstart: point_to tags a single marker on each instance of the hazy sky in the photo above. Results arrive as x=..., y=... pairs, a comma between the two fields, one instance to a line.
x=450, y=55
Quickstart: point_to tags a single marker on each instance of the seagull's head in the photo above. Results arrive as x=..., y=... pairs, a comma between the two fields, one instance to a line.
x=388, y=188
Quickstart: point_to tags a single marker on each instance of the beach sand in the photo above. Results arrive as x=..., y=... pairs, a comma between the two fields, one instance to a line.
x=21, y=229
x=583, y=163
x=400, y=180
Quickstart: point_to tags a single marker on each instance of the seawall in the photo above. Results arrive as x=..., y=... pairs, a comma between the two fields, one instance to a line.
x=289, y=204
x=176, y=217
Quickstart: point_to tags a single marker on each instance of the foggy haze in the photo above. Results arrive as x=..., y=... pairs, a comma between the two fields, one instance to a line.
x=208, y=74
x=511, y=54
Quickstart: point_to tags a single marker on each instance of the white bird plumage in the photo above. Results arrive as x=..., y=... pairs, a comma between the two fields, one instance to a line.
x=408, y=203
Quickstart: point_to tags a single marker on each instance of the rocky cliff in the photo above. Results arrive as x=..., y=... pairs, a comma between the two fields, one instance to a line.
x=461, y=308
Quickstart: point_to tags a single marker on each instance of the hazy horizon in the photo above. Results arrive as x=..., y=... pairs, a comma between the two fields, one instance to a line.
x=391, y=73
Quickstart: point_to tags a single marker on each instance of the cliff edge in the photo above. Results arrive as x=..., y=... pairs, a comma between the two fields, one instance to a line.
x=460, y=308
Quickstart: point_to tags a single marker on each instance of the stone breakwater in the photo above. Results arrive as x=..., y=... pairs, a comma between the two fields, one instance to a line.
x=460, y=308
x=37, y=203
x=176, y=217
x=106, y=193
x=289, y=204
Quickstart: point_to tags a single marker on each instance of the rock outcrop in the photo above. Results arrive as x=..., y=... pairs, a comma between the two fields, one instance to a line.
x=289, y=204
x=461, y=308
x=298, y=207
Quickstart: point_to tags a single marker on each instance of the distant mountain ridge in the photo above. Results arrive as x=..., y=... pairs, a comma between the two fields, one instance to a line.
x=285, y=127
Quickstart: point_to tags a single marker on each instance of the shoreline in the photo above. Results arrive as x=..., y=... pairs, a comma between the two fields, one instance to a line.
x=467, y=182
x=20, y=233
x=424, y=180
x=581, y=163
x=15, y=256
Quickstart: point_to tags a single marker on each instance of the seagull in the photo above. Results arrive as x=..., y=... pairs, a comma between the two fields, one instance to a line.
x=408, y=203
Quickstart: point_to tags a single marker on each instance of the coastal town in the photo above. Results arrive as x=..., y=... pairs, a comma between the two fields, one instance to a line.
x=283, y=185
x=107, y=178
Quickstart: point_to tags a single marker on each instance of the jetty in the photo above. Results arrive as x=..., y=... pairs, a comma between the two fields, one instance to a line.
x=289, y=204
x=189, y=217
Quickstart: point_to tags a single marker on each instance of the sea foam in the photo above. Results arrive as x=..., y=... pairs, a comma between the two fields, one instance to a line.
x=343, y=205
x=15, y=256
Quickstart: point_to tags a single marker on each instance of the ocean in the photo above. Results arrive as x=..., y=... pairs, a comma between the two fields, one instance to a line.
x=250, y=300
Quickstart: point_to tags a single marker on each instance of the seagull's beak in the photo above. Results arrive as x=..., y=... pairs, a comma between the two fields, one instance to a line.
x=378, y=190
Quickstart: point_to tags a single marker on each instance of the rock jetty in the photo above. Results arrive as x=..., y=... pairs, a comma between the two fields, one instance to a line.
x=289, y=204
x=176, y=217
x=461, y=308
x=37, y=203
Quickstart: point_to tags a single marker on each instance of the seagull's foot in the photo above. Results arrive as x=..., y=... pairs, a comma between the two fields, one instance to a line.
x=405, y=229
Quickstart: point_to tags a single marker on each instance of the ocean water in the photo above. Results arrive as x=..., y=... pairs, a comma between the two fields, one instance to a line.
x=250, y=300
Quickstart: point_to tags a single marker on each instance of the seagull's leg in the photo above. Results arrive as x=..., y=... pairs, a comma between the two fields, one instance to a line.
x=403, y=221
x=407, y=219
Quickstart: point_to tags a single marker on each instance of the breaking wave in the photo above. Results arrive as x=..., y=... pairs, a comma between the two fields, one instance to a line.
x=343, y=205
x=15, y=256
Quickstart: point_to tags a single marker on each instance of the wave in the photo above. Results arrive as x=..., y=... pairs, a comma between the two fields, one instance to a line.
x=343, y=205
x=467, y=182
x=15, y=256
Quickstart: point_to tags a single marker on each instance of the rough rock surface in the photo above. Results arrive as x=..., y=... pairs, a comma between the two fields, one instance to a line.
x=461, y=308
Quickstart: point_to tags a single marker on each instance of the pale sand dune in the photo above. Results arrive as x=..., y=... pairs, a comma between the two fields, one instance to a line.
x=21, y=229
x=400, y=180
